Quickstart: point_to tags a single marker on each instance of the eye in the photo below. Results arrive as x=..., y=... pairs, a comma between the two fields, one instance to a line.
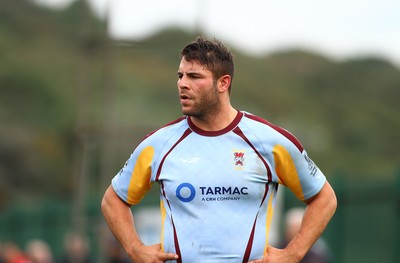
x=180, y=75
x=193, y=75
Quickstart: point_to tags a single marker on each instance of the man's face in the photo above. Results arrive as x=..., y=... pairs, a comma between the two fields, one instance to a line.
x=198, y=91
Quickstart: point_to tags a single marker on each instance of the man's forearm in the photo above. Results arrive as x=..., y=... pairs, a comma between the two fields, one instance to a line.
x=319, y=212
x=120, y=220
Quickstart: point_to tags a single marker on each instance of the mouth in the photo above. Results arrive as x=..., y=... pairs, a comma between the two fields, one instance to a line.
x=184, y=98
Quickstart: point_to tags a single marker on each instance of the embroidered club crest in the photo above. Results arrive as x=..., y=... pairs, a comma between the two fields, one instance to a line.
x=238, y=158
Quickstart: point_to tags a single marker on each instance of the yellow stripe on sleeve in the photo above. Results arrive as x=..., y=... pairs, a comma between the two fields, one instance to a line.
x=140, y=184
x=286, y=171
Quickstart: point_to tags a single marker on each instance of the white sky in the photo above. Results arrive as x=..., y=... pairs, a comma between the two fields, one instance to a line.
x=338, y=29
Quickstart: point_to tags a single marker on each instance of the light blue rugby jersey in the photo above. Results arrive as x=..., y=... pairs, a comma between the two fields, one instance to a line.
x=218, y=189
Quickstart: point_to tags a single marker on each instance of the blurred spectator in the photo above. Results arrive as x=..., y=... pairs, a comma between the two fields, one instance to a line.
x=319, y=252
x=76, y=249
x=39, y=251
x=1, y=253
x=148, y=224
x=115, y=253
x=13, y=254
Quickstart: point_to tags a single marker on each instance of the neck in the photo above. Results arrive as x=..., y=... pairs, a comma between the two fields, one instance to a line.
x=215, y=122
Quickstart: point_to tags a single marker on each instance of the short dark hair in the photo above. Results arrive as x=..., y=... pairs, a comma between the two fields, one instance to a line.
x=214, y=55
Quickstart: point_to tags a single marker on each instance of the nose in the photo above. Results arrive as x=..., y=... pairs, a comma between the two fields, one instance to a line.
x=182, y=83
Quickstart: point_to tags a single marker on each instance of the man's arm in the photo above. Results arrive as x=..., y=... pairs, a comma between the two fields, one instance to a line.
x=319, y=212
x=121, y=222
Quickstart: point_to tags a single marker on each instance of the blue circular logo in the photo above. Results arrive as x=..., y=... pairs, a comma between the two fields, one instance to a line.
x=185, y=192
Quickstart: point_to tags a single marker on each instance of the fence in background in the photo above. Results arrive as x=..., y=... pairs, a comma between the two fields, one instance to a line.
x=365, y=228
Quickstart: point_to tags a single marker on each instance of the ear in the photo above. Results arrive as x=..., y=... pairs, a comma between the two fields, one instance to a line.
x=223, y=83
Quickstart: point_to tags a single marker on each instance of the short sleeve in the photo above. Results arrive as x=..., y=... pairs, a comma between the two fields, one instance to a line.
x=297, y=171
x=134, y=180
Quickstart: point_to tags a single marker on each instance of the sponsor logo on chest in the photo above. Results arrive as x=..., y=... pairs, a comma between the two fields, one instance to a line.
x=186, y=192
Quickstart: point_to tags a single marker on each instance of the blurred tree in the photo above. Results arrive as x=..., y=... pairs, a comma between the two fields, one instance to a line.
x=68, y=91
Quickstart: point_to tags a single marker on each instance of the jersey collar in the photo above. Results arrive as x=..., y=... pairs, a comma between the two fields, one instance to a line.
x=228, y=128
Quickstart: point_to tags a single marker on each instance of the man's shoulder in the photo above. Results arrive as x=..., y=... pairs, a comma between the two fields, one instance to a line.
x=168, y=130
x=268, y=130
x=257, y=120
x=259, y=124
